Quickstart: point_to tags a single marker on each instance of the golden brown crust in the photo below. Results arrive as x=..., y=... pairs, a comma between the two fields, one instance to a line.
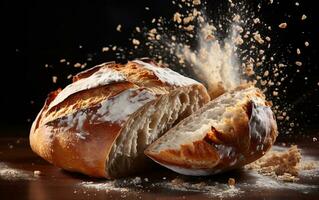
x=199, y=154
x=55, y=134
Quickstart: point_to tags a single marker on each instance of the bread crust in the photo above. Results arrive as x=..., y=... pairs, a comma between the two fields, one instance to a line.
x=253, y=131
x=76, y=130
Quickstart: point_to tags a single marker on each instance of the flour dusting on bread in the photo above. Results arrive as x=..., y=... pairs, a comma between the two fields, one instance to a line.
x=167, y=75
x=103, y=76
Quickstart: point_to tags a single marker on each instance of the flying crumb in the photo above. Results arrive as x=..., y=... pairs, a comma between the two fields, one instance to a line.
x=268, y=39
x=282, y=25
x=238, y=40
x=298, y=63
x=62, y=60
x=136, y=42
x=306, y=44
x=303, y=17
x=249, y=71
x=196, y=2
x=147, y=8
x=83, y=65
x=258, y=38
x=76, y=65
x=105, y=49
x=275, y=93
x=314, y=139
x=54, y=79
x=189, y=28
x=236, y=18
x=118, y=28
x=138, y=29
x=298, y=51
x=271, y=1
x=266, y=73
x=177, y=18
x=297, y=4
x=256, y=20
x=231, y=182
x=69, y=76
x=114, y=48
x=186, y=20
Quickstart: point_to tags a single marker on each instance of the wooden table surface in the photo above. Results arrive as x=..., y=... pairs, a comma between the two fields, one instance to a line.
x=18, y=181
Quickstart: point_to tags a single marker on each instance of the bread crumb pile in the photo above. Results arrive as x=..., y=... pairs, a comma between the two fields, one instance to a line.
x=284, y=166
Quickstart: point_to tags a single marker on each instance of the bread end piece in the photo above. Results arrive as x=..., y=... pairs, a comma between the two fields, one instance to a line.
x=245, y=132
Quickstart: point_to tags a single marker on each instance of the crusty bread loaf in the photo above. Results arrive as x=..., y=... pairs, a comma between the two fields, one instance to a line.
x=101, y=124
x=234, y=129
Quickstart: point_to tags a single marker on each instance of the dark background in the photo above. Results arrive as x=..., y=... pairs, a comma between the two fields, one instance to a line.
x=43, y=32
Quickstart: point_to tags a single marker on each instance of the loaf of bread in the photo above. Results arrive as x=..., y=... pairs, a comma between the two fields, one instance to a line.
x=232, y=130
x=101, y=124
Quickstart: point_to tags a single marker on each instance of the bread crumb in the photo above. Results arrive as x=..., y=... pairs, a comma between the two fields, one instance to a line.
x=297, y=4
x=256, y=20
x=258, y=38
x=105, y=49
x=187, y=20
x=249, y=70
x=306, y=44
x=238, y=40
x=231, y=182
x=268, y=39
x=135, y=42
x=196, y=2
x=236, y=18
x=189, y=28
x=69, y=76
x=177, y=17
x=303, y=17
x=177, y=181
x=147, y=8
x=76, y=65
x=282, y=25
x=138, y=29
x=281, y=165
x=54, y=79
x=314, y=139
x=62, y=60
x=37, y=173
x=298, y=51
x=298, y=63
x=118, y=28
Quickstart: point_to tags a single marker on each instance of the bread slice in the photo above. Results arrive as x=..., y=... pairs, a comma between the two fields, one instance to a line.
x=235, y=129
x=101, y=124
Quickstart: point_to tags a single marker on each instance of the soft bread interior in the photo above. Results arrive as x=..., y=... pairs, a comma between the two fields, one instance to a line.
x=216, y=113
x=149, y=123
